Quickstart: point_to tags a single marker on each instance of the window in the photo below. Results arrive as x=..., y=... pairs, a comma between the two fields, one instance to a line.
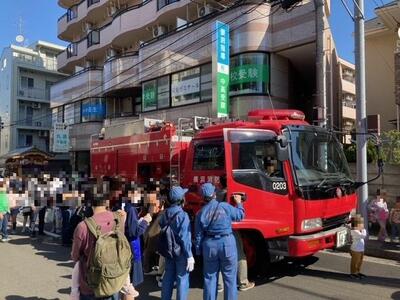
x=155, y=94
x=138, y=105
x=149, y=95
x=126, y=106
x=185, y=87
x=206, y=82
x=249, y=74
x=91, y=2
x=29, y=115
x=163, y=92
x=28, y=140
x=77, y=112
x=93, y=38
x=69, y=114
x=163, y=3
x=27, y=82
x=209, y=155
x=254, y=161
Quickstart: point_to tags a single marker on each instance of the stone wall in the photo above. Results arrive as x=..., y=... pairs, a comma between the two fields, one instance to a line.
x=390, y=181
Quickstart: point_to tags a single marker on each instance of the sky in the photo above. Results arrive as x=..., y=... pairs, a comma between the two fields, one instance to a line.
x=39, y=22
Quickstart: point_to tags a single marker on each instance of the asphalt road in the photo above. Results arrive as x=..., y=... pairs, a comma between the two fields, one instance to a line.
x=40, y=269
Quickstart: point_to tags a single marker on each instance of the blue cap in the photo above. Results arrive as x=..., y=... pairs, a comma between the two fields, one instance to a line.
x=208, y=189
x=177, y=193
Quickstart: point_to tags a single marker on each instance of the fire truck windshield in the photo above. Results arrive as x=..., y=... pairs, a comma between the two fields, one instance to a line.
x=317, y=157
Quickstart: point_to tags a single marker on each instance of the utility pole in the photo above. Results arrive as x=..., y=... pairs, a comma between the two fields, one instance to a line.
x=321, y=63
x=361, y=115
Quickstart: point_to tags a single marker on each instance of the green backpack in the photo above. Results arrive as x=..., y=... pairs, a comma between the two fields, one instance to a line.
x=110, y=263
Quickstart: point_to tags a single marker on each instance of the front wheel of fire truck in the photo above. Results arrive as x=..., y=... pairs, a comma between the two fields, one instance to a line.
x=257, y=256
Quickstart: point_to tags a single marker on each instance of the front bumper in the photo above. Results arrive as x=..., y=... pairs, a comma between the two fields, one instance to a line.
x=309, y=244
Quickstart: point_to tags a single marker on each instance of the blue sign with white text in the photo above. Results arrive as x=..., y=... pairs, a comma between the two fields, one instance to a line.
x=94, y=110
x=222, y=31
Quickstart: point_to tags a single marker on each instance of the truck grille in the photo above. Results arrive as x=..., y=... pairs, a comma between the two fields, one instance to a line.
x=336, y=221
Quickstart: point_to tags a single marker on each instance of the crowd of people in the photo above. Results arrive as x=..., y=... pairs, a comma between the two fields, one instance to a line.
x=120, y=231
x=89, y=213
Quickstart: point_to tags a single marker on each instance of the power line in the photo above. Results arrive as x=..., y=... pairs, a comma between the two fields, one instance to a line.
x=184, y=56
x=131, y=77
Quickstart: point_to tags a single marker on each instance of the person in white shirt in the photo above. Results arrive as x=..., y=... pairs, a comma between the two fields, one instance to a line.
x=358, y=235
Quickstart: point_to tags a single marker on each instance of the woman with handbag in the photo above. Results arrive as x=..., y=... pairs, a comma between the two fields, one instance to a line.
x=381, y=213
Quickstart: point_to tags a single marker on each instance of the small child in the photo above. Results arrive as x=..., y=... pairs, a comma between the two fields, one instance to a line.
x=394, y=220
x=358, y=235
x=128, y=290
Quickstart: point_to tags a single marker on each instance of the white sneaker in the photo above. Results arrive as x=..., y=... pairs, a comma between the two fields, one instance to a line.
x=5, y=240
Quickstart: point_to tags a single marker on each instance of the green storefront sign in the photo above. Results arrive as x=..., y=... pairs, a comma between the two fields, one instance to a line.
x=222, y=94
x=249, y=73
x=149, y=96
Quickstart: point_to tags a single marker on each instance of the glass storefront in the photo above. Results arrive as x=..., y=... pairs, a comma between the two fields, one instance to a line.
x=249, y=74
x=185, y=87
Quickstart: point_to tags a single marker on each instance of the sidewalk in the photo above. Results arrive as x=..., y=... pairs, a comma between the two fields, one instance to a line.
x=375, y=248
x=387, y=250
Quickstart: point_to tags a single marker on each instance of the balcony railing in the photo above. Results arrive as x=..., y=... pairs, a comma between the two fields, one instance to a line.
x=34, y=93
x=35, y=122
x=47, y=63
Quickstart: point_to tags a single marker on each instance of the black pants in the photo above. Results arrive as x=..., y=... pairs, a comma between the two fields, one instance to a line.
x=42, y=213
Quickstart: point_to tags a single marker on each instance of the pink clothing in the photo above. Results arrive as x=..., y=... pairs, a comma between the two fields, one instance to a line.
x=84, y=243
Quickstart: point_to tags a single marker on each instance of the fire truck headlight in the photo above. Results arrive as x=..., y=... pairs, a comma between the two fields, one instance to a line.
x=311, y=224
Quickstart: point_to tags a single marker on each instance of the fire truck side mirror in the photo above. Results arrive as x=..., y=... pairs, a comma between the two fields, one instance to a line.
x=282, y=149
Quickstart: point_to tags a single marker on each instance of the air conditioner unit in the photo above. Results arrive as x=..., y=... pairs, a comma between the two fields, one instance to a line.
x=43, y=133
x=159, y=30
x=36, y=105
x=205, y=10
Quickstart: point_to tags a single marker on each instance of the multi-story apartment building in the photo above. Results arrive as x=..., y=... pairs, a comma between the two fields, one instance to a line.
x=347, y=95
x=26, y=75
x=382, y=54
x=152, y=59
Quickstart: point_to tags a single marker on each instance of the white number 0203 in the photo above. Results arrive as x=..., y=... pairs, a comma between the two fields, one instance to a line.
x=279, y=186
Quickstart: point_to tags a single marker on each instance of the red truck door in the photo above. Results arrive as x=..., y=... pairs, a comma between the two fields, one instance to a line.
x=252, y=168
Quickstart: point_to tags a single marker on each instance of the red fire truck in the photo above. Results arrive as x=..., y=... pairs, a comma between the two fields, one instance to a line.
x=294, y=176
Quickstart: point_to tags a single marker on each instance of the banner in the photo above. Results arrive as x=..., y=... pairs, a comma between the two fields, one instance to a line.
x=221, y=69
x=60, y=138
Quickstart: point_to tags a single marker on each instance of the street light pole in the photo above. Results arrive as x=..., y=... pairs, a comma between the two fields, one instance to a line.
x=361, y=115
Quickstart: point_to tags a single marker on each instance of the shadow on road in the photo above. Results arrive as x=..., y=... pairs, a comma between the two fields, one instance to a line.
x=46, y=246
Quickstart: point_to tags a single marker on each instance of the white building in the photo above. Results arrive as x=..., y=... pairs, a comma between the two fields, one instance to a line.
x=26, y=75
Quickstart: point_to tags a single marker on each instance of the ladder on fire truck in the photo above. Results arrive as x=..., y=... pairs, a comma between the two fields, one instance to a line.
x=187, y=127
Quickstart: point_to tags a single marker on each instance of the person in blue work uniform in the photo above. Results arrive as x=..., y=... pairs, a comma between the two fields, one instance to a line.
x=215, y=241
x=177, y=269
